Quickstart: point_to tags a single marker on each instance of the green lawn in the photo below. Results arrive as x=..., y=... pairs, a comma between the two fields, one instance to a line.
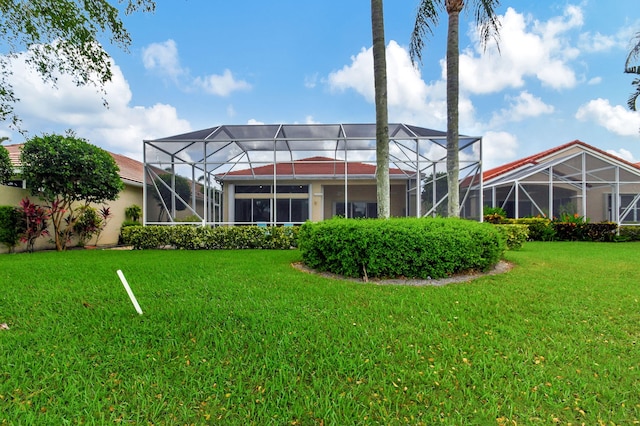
x=240, y=337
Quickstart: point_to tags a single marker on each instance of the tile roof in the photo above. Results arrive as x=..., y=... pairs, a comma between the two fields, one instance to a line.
x=312, y=166
x=130, y=170
x=539, y=157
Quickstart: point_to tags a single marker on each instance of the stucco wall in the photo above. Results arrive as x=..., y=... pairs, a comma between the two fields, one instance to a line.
x=325, y=193
x=10, y=196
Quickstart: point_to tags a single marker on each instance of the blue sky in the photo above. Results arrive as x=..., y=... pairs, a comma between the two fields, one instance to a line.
x=200, y=63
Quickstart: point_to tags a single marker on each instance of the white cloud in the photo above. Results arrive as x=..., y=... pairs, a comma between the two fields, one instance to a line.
x=624, y=154
x=119, y=128
x=527, y=49
x=498, y=148
x=616, y=119
x=163, y=58
x=410, y=99
x=523, y=106
x=221, y=85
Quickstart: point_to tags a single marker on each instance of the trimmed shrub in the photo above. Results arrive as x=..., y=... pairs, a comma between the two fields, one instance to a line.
x=628, y=233
x=401, y=247
x=570, y=231
x=600, y=232
x=540, y=228
x=11, y=226
x=190, y=237
x=514, y=235
x=126, y=224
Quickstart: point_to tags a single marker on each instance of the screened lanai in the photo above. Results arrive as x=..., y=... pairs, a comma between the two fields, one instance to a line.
x=290, y=173
x=574, y=178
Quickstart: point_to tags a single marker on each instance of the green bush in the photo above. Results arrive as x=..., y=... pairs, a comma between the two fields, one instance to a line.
x=571, y=231
x=540, y=228
x=190, y=237
x=628, y=233
x=401, y=247
x=494, y=215
x=514, y=235
x=11, y=226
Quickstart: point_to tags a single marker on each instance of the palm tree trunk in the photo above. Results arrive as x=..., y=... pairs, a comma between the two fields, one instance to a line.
x=382, y=118
x=453, y=93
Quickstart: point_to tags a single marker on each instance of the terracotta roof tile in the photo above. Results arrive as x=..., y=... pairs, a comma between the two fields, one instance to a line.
x=313, y=166
x=130, y=169
x=536, y=158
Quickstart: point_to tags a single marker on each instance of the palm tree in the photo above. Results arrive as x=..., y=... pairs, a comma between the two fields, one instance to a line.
x=382, y=118
x=629, y=68
x=426, y=19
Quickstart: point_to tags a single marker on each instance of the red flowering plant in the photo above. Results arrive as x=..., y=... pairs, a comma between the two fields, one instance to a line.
x=35, y=222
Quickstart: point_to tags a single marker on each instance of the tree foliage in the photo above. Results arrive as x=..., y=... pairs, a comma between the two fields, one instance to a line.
x=182, y=190
x=6, y=168
x=62, y=36
x=427, y=18
x=63, y=170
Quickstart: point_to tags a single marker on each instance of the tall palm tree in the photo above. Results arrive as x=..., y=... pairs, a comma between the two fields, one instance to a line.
x=382, y=117
x=426, y=20
x=631, y=67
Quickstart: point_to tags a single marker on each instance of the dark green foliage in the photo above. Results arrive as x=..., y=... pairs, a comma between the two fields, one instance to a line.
x=63, y=170
x=11, y=226
x=189, y=237
x=6, y=169
x=494, y=215
x=628, y=233
x=600, y=232
x=402, y=247
x=88, y=224
x=133, y=212
x=62, y=37
x=514, y=235
x=540, y=228
x=570, y=231
x=182, y=188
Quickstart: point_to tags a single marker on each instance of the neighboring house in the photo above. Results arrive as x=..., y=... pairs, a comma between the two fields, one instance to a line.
x=310, y=188
x=574, y=178
x=289, y=173
x=130, y=172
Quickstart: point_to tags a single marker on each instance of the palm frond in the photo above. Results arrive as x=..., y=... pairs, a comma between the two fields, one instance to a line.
x=633, y=98
x=634, y=56
x=487, y=20
x=426, y=20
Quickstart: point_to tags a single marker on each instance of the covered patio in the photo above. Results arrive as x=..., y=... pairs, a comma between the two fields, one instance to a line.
x=206, y=176
x=574, y=178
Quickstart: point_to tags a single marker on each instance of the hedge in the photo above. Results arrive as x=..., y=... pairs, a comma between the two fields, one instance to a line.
x=514, y=235
x=11, y=226
x=189, y=237
x=400, y=247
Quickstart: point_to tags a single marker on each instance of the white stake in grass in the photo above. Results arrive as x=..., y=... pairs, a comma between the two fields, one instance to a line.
x=129, y=292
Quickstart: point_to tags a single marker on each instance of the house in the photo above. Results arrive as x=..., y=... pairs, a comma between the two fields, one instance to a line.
x=574, y=178
x=130, y=172
x=288, y=173
x=310, y=188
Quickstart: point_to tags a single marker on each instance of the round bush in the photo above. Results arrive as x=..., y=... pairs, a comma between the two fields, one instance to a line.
x=404, y=247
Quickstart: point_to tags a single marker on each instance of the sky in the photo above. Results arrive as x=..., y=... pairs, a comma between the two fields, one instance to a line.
x=555, y=76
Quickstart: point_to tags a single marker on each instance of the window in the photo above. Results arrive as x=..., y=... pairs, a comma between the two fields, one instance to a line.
x=628, y=206
x=253, y=189
x=358, y=209
x=292, y=210
x=253, y=210
x=267, y=189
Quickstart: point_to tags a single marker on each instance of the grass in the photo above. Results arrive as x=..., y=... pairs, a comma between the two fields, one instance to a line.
x=240, y=337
